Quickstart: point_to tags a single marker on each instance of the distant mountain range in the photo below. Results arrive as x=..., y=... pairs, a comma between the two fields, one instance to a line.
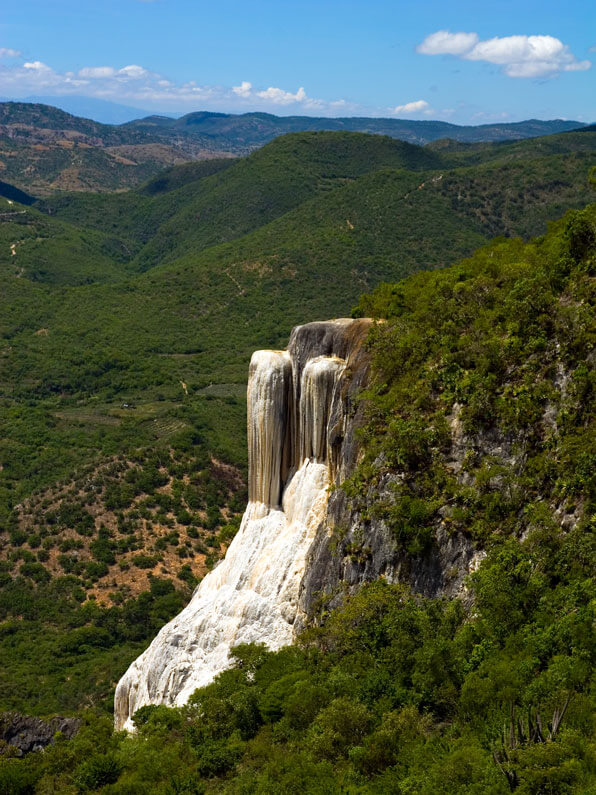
x=101, y=110
x=44, y=149
x=251, y=130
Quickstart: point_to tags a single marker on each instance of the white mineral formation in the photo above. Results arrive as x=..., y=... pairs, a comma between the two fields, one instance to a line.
x=252, y=596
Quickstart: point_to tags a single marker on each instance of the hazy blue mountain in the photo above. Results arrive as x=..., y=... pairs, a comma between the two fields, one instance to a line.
x=101, y=110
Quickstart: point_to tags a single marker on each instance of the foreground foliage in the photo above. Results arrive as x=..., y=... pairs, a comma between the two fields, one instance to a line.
x=393, y=694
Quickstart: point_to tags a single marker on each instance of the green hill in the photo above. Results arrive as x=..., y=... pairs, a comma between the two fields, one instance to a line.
x=44, y=150
x=126, y=326
x=481, y=411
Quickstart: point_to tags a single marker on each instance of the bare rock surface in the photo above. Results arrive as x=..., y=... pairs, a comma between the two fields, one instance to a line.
x=26, y=734
x=296, y=427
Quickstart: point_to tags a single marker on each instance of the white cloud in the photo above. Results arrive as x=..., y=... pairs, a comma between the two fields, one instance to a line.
x=37, y=66
x=8, y=52
x=243, y=90
x=133, y=71
x=445, y=43
x=527, y=56
x=418, y=106
x=518, y=56
x=133, y=84
x=280, y=97
x=97, y=71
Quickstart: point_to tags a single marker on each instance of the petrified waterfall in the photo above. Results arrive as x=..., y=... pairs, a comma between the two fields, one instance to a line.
x=295, y=414
x=268, y=393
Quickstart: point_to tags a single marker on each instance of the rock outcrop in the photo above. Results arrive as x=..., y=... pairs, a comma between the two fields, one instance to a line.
x=299, y=435
x=301, y=546
x=350, y=548
x=25, y=734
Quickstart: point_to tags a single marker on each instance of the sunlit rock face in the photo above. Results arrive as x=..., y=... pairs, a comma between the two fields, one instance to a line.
x=296, y=425
x=268, y=399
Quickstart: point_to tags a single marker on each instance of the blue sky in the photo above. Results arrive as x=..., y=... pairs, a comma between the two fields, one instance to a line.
x=517, y=60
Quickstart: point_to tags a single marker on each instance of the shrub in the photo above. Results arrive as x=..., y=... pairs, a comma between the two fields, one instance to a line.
x=145, y=561
x=98, y=771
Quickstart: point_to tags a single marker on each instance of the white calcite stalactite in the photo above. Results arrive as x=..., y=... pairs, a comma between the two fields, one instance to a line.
x=269, y=385
x=252, y=595
x=317, y=388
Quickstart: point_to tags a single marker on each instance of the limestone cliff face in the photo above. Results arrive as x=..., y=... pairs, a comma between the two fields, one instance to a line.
x=299, y=440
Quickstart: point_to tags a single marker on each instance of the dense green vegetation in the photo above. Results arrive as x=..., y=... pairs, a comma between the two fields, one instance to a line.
x=394, y=694
x=121, y=397
x=492, y=356
x=60, y=652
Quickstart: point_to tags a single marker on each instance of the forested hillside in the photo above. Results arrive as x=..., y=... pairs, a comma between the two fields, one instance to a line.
x=481, y=406
x=308, y=223
x=44, y=150
x=126, y=325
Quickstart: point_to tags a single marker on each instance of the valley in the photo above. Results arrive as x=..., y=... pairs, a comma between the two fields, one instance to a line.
x=129, y=312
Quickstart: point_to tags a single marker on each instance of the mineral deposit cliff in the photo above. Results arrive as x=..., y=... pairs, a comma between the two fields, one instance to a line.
x=301, y=545
x=300, y=440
